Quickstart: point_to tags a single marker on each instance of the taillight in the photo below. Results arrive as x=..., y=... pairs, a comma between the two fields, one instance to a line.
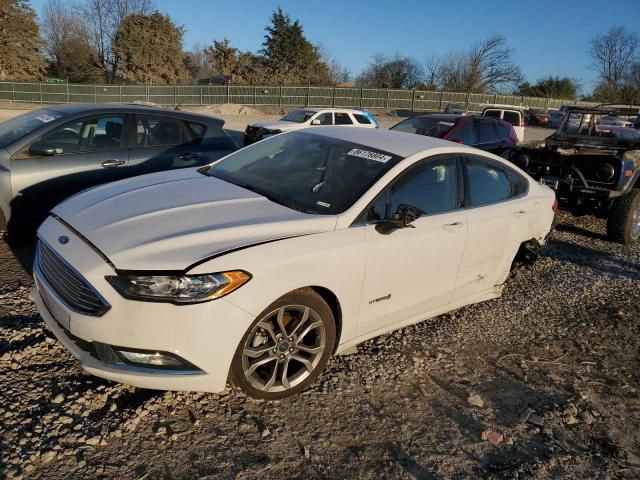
x=554, y=207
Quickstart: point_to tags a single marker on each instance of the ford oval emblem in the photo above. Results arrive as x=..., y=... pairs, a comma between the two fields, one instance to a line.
x=63, y=239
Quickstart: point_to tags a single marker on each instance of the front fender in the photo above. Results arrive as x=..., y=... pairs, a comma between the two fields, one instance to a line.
x=332, y=260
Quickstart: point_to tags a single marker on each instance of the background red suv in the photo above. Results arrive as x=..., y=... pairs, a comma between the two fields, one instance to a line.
x=485, y=133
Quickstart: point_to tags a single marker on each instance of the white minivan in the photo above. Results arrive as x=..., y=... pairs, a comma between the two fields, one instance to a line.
x=510, y=114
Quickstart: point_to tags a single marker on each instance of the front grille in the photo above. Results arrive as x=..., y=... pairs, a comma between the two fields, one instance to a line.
x=74, y=291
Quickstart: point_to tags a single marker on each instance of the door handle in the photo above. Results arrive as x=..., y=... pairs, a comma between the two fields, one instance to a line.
x=188, y=156
x=452, y=226
x=112, y=163
x=520, y=213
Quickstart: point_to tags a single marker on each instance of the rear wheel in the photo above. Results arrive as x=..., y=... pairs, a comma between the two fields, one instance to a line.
x=623, y=224
x=286, y=348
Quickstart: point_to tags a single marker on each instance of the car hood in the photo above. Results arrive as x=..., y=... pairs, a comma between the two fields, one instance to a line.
x=171, y=220
x=279, y=125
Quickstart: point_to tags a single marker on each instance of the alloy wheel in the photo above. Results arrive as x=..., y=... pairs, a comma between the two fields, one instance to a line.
x=284, y=348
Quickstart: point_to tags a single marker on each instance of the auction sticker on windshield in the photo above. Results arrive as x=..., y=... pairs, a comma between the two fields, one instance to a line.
x=378, y=157
x=44, y=118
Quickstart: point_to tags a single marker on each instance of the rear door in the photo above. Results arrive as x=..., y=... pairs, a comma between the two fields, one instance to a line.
x=498, y=213
x=89, y=151
x=161, y=143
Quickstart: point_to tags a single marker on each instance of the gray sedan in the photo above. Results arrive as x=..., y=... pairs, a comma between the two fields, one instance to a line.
x=49, y=154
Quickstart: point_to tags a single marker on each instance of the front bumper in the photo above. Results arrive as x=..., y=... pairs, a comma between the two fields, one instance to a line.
x=205, y=335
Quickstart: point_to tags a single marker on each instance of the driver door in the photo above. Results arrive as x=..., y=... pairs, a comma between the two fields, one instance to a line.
x=89, y=151
x=412, y=271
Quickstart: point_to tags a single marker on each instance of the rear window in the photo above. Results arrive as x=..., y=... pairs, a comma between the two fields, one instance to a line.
x=512, y=117
x=362, y=119
x=491, y=113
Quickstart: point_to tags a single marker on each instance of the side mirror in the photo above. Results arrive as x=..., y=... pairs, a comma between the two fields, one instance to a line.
x=43, y=150
x=315, y=121
x=403, y=218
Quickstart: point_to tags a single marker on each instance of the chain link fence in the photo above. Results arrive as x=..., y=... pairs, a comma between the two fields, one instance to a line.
x=280, y=96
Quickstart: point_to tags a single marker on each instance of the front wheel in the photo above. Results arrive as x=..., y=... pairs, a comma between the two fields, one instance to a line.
x=286, y=348
x=623, y=224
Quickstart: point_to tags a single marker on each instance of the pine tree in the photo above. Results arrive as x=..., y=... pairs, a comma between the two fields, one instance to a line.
x=150, y=49
x=289, y=56
x=20, y=43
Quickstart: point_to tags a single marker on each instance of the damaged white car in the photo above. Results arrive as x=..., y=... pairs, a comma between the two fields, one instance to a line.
x=259, y=267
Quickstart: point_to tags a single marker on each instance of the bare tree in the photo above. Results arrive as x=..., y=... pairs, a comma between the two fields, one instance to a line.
x=613, y=54
x=101, y=19
x=432, y=73
x=491, y=67
x=486, y=66
x=67, y=44
x=392, y=72
x=338, y=73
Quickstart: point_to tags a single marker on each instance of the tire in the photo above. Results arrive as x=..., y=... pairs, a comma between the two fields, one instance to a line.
x=264, y=344
x=623, y=223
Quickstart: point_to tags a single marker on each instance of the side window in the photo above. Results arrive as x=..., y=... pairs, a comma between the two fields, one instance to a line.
x=487, y=183
x=361, y=119
x=159, y=131
x=491, y=113
x=343, y=119
x=519, y=184
x=325, y=118
x=89, y=134
x=197, y=130
x=487, y=132
x=512, y=117
x=431, y=187
x=466, y=134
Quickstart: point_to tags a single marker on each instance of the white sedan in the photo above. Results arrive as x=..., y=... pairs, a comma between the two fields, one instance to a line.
x=259, y=267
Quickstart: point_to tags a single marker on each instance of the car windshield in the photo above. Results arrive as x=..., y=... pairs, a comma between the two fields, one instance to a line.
x=298, y=116
x=431, y=127
x=591, y=124
x=306, y=172
x=23, y=125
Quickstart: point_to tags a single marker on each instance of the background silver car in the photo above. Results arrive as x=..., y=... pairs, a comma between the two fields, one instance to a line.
x=49, y=154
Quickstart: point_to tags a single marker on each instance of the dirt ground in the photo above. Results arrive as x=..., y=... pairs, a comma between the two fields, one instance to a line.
x=552, y=366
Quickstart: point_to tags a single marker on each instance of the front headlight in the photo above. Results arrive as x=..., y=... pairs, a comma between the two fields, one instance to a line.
x=178, y=288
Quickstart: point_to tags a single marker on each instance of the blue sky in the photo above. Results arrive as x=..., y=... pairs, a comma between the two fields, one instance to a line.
x=548, y=36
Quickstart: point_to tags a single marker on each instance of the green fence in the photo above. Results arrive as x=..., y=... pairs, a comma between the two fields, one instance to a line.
x=280, y=96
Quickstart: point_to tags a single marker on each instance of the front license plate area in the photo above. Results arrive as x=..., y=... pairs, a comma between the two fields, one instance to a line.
x=55, y=309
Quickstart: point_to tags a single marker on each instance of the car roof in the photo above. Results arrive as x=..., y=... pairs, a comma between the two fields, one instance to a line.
x=504, y=107
x=399, y=143
x=450, y=117
x=75, y=108
x=331, y=109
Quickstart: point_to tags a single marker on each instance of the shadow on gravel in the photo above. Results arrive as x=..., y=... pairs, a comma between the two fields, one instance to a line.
x=16, y=258
x=574, y=229
x=412, y=467
x=603, y=262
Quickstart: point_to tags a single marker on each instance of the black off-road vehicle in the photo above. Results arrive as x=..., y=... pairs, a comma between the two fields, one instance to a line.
x=593, y=163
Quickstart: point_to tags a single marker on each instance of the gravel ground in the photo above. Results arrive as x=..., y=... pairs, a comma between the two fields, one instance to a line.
x=551, y=368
